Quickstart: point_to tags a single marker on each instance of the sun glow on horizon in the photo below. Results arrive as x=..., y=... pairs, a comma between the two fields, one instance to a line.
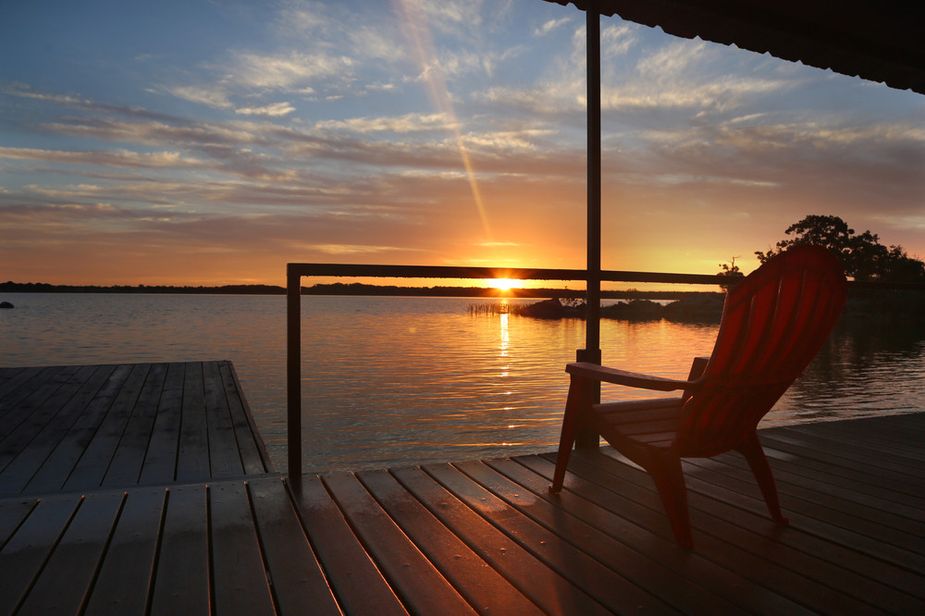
x=504, y=284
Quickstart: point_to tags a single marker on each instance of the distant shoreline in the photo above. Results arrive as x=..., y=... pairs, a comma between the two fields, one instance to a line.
x=339, y=289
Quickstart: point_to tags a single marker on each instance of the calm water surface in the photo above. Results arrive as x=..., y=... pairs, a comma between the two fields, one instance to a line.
x=391, y=381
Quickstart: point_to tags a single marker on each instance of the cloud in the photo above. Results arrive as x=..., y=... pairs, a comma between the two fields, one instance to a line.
x=281, y=71
x=22, y=90
x=381, y=87
x=77, y=102
x=210, y=96
x=497, y=244
x=684, y=76
x=302, y=18
x=352, y=249
x=549, y=26
x=617, y=40
x=118, y=158
x=718, y=94
x=451, y=17
x=273, y=110
x=547, y=98
x=672, y=60
x=506, y=141
x=407, y=123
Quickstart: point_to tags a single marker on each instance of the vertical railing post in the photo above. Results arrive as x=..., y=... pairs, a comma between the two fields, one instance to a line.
x=294, y=373
x=592, y=352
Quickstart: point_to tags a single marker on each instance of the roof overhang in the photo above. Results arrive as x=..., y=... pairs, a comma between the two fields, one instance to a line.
x=876, y=40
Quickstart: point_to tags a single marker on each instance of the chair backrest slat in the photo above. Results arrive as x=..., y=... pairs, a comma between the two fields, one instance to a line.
x=774, y=322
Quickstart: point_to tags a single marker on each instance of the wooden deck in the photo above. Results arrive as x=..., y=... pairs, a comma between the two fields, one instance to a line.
x=73, y=428
x=485, y=536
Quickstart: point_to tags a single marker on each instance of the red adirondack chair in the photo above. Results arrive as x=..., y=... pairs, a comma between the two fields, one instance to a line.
x=774, y=322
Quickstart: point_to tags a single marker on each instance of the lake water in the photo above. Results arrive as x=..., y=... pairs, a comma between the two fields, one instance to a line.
x=394, y=380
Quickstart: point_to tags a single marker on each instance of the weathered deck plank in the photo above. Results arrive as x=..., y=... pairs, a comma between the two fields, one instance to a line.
x=26, y=462
x=748, y=531
x=21, y=425
x=24, y=554
x=123, y=585
x=160, y=463
x=63, y=587
x=12, y=513
x=182, y=580
x=96, y=458
x=681, y=594
x=56, y=469
x=483, y=587
x=535, y=474
x=73, y=428
x=414, y=577
x=544, y=586
x=193, y=454
x=299, y=583
x=16, y=379
x=607, y=586
x=253, y=451
x=453, y=538
x=354, y=578
x=241, y=585
x=34, y=378
x=225, y=457
x=125, y=467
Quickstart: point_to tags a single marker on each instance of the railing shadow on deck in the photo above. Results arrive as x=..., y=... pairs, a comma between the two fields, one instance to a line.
x=296, y=271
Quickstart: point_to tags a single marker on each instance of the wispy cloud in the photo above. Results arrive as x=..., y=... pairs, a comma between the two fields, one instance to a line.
x=407, y=123
x=211, y=96
x=672, y=60
x=288, y=70
x=498, y=244
x=550, y=25
x=617, y=40
x=118, y=158
x=352, y=249
x=273, y=110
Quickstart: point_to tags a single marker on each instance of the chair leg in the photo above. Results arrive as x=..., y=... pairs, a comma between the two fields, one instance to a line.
x=753, y=452
x=577, y=399
x=669, y=480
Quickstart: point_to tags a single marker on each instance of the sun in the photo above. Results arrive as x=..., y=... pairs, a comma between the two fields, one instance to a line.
x=504, y=284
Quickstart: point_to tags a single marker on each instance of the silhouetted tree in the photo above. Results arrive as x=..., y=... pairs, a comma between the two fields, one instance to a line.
x=730, y=270
x=863, y=256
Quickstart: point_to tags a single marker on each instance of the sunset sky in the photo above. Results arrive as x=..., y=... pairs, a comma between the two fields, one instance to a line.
x=212, y=142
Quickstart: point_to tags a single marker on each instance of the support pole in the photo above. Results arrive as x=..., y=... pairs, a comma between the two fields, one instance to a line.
x=592, y=352
x=294, y=375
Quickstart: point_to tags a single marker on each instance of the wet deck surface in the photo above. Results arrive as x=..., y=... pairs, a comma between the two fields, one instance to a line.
x=73, y=428
x=484, y=536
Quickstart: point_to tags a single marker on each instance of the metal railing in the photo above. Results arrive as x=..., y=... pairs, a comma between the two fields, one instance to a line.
x=296, y=271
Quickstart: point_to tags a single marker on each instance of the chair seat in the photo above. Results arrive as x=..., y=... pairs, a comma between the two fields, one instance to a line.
x=652, y=422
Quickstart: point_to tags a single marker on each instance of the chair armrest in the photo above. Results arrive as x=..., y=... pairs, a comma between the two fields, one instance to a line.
x=698, y=366
x=629, y=379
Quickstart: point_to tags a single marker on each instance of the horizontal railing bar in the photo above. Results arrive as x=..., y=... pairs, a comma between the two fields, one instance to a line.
x=433, y=271
x=520, y=273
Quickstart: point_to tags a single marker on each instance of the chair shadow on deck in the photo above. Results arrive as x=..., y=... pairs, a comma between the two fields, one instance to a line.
x=774, y=322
